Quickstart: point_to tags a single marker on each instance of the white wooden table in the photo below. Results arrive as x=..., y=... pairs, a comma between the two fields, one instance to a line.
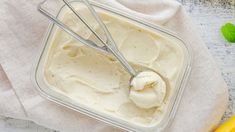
x=208, y=15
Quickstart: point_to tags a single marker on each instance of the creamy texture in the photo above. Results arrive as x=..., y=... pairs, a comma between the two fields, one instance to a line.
x=147, y=90
x=99, y=82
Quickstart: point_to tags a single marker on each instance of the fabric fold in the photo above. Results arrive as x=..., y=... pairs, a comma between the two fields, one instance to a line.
x=10, y=105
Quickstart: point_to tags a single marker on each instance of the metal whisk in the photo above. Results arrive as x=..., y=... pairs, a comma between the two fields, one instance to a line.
x=109, y=46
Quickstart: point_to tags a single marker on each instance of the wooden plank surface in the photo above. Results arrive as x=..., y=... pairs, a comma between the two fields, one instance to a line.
x=208, y=15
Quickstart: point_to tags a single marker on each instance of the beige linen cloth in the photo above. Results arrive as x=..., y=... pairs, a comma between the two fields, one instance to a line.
x=22, y=28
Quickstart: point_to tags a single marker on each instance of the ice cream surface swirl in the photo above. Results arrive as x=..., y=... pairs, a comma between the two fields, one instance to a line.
x=99, y=82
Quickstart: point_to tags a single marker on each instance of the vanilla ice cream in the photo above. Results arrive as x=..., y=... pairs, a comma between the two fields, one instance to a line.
x=98, y=81
x=147, y=90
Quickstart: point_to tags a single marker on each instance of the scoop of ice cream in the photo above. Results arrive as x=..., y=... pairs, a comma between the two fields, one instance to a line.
x=147, y=90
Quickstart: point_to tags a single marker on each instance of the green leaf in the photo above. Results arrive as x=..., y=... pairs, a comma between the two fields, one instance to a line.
x=228, y=31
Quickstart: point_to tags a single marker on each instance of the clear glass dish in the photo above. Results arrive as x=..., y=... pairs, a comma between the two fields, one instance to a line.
x=58, y=97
